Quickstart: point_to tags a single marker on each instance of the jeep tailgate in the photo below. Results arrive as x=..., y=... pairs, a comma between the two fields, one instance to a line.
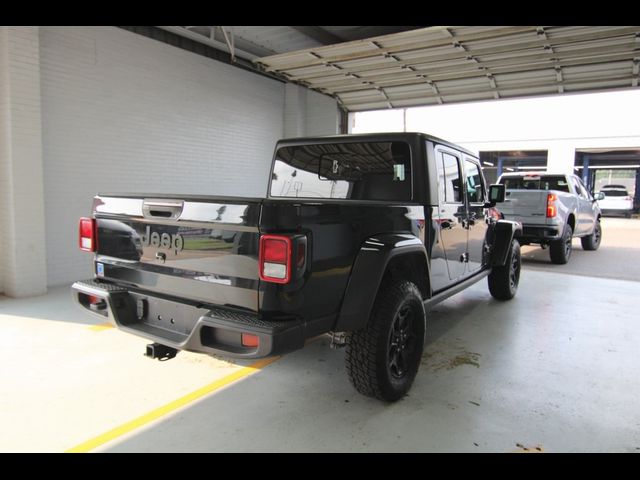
x=204, y=249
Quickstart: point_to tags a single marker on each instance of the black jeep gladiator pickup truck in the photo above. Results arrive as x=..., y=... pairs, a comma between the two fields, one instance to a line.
x=357, y=237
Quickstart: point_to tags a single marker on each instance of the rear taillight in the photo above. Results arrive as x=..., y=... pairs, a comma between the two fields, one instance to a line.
x=275, y=258
x=88, y=234
x=551, y=205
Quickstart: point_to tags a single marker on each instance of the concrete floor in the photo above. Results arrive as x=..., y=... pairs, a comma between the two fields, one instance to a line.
x=554, y=370
x=616, y=258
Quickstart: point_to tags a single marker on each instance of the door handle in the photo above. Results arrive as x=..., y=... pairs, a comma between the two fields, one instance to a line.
x=169, y=209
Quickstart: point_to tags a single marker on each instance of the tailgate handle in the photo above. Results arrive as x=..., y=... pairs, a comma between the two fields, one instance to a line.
x=162, y=208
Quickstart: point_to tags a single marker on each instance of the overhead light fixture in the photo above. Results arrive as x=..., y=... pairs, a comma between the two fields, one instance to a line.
x=488, y=163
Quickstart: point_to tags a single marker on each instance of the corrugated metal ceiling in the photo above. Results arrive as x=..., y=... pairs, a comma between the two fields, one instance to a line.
x=438, y=65
x=253, y=41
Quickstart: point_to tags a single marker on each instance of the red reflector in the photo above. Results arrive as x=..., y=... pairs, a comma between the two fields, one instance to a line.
x=249, y=340
x=93, y=299
x=87, y=241
x=275, y=258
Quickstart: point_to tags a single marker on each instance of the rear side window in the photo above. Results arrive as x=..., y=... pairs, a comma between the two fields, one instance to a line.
x=355, y=171
x=475, y=186
x=543, y=182
x=449, y=178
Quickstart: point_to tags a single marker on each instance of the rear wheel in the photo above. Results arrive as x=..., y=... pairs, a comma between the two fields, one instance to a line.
x=503, y=281
x=560, y=250
x=383, y=358
x=592, y=242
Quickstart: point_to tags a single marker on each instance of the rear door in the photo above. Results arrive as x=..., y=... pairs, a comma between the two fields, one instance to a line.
x=476, y=223
x=202, y=249
x=452, y=215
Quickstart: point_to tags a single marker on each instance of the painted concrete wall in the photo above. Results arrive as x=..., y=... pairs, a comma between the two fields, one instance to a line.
x=101, y=109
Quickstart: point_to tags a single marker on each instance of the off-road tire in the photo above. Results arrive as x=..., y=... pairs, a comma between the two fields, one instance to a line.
x=503, y=281
x=592, y=242
x=560, y=250
x=383, y=358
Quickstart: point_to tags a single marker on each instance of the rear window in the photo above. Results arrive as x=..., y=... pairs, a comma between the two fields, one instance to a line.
x=355, y=171
x=615, y=193
x=541, y=182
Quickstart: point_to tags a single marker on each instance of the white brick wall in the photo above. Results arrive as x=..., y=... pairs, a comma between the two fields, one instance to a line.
x=309, y=113
x=321, y=114
x=294, y=111
x=22, y=222
x=4, y=154
x=125, y=113
x=119, y=112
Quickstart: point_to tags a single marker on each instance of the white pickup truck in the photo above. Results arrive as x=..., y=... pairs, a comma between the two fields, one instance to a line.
x=552, y=208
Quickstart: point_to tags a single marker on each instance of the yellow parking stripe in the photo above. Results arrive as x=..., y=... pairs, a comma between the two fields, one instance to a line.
x=170, y=407
x=101, y=326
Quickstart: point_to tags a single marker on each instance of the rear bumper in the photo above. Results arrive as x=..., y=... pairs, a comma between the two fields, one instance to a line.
x=185, y=326
x=617, y=210
x=539, y=233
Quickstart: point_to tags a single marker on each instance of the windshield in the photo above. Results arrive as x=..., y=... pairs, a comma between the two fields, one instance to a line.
x=537, y=182
x=354, y=170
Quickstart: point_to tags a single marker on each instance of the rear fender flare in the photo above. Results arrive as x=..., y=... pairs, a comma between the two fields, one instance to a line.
x=367, y=273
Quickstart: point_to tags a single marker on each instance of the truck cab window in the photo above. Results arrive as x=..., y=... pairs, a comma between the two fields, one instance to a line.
x=349, y=170
x=579, y=189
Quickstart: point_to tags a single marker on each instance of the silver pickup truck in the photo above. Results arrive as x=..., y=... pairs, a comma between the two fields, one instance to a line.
x=552, y=208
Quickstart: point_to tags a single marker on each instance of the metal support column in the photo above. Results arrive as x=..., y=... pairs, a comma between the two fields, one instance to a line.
x=636, y=197
x=499, y=166
x=585, y=172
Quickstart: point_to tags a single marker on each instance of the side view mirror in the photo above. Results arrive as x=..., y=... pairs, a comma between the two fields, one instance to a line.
x=599, y=196
x=496, y=194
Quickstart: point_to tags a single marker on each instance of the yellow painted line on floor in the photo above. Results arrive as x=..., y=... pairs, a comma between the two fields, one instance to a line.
x=170, y=407
x=100, y=327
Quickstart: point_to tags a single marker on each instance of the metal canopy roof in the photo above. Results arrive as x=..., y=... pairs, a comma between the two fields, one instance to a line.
x=438, y=65
x=250, y=42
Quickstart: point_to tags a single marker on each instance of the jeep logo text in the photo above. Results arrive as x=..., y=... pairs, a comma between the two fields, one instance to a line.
x=170, y=242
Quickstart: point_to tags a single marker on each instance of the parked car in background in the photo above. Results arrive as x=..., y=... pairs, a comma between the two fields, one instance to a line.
x=617, y=201
x=552, y=208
